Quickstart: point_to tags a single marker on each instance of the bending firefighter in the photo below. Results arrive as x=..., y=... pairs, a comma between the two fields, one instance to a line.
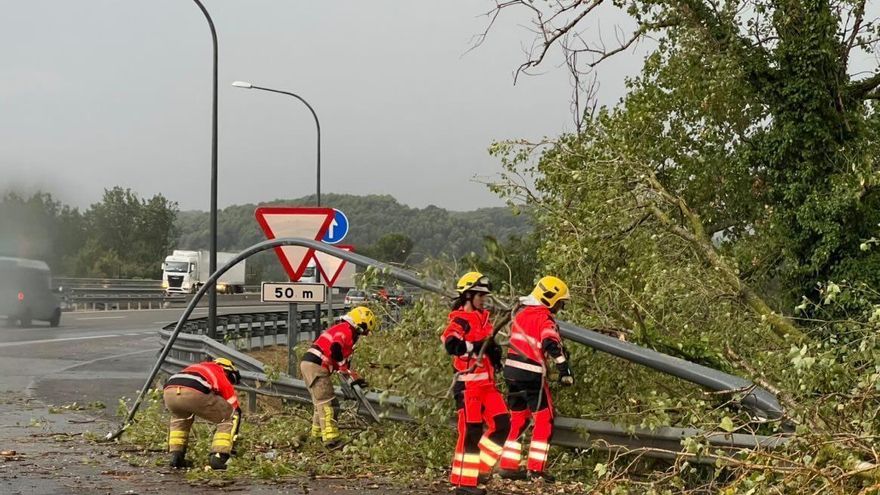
x=476, y=397
x=534, y=338
x=331, y=353
x=205, y=390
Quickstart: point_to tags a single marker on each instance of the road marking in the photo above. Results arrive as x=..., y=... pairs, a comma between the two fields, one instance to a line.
x=49, y=341
x=257, y=305
x=101, y=318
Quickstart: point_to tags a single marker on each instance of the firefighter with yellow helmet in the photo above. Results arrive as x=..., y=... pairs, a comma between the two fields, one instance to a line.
x=206, y=390
x=478, y=401
x=534, y=340
x=331, y=353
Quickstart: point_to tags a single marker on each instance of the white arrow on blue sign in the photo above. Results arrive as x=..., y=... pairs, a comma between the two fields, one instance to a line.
x=338, y=228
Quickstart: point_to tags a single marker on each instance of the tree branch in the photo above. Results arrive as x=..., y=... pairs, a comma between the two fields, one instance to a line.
x=864, y=89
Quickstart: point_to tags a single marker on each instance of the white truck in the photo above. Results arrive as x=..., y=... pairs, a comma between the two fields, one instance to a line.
x=184, y=272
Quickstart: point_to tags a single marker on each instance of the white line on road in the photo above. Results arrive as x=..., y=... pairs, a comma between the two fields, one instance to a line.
x=101, y=318
x=49, y=341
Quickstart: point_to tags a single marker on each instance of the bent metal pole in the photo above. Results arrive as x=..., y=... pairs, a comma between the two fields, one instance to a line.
x=357, y=259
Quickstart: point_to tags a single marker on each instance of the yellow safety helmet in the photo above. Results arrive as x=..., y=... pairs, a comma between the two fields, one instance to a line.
x=231, y=372
x=363, y=318
x=473, y=281
x=550, y=290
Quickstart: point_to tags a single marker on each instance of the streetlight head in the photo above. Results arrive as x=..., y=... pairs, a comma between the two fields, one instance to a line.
x=242, y=84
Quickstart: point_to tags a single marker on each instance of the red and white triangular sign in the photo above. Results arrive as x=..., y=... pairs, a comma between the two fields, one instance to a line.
x=282, y=221
x=330, y=265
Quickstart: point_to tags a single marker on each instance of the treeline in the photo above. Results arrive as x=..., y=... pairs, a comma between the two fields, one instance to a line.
x=125, y=236
x=122, y=236
x=433, y=231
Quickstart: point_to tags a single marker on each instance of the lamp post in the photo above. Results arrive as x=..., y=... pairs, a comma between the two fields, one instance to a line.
x=212, y=264
x=247, y=85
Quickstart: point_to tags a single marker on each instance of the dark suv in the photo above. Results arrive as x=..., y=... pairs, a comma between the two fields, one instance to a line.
x=26, y=292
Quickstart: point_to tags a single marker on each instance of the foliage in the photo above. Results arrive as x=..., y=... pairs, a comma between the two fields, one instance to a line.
x=751, y=113
x=122, y=236
x=394, y=248
x=509, y=265
x=433, y=230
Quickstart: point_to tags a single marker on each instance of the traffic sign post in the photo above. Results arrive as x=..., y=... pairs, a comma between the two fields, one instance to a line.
x=311, y=223
x=338, y=228
x=292, y=339
x=331, y=266
x=292, y=293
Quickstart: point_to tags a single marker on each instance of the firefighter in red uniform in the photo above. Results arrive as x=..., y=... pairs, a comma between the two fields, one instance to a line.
x=331, y=353
x=205, y=390
x=476, y=397
x=534, y=339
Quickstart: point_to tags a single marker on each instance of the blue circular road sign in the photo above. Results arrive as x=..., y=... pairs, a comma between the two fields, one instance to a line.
x=338, y=228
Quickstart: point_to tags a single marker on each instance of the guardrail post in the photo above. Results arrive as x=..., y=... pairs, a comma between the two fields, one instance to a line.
x=252, y=401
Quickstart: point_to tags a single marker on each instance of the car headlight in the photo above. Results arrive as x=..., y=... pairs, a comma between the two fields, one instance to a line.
x=164, y=284
x=221, y=286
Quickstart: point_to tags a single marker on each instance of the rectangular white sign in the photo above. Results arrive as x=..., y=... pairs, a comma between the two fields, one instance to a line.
x=292, y=292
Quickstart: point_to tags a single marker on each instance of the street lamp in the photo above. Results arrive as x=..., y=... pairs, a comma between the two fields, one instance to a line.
x=247, y=85
x=212, y=263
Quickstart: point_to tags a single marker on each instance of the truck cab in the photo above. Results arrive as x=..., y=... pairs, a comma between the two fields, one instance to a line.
x=184, y=272
x=179, y=272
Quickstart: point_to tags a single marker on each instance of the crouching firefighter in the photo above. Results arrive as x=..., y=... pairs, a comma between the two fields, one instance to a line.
x=331, y=353
x=477, y=399
x=534, y=339
x=205, y=390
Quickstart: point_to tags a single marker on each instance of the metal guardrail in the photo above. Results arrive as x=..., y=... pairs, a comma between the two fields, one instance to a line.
x=80, y=282
x=194, y=346
x=126, y=294
x=755, y=398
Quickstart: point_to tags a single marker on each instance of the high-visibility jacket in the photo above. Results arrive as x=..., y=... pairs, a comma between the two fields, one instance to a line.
x=463, y=338
x=207, y=377
x=333, y=349
x=534, y=336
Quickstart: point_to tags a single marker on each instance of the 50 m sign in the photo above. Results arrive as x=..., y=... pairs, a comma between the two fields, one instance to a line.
x=292, y=293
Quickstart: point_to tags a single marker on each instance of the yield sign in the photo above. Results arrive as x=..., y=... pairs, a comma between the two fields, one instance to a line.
x=330, y=265
x=280, y=221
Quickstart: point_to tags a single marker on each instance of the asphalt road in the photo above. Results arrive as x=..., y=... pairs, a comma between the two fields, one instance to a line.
x=100, y=357
x=91, y=356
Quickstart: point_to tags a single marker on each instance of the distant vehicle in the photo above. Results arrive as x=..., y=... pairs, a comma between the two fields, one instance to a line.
x=355, y=297
x=399, y=297
x=26, y=292
x=379, y=294
x=184, y=272
x=310, y=274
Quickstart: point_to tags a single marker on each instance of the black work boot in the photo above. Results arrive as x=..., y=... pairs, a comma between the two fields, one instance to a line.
x=218, y=461
x=542, y=475
x=178, y=460
x=484, y=478
x=512, y=474
x=470, y=490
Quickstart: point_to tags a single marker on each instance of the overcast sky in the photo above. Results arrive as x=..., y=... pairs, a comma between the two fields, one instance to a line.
x=117, y=92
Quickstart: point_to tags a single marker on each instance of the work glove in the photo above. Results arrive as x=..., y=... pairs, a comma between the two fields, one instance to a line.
x=566, y=378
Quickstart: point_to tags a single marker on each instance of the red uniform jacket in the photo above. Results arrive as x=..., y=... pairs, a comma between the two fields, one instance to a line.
x=333, y=349
x=466, y=329
x=206, y=377
x=533, y=336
